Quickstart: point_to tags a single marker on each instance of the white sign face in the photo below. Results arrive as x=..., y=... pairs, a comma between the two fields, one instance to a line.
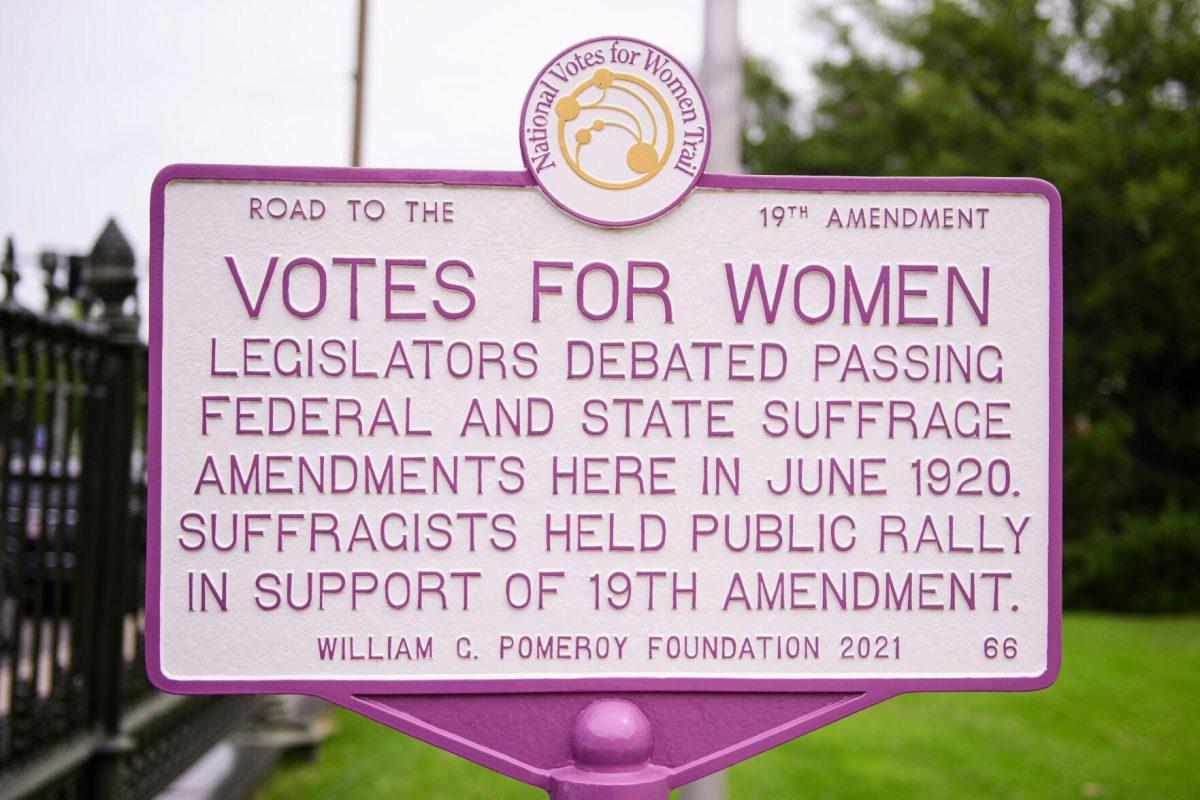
x=422, y=430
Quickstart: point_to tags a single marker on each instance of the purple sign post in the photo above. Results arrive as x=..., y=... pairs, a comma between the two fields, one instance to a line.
x=609, y=492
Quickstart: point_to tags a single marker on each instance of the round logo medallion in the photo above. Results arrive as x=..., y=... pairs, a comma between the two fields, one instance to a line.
x=615, y=131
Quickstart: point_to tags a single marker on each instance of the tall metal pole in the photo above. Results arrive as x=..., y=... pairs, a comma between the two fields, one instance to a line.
x=359, y=80
x=721, y=77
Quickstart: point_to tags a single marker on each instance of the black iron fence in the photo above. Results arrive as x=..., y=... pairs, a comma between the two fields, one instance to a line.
x=78, y=718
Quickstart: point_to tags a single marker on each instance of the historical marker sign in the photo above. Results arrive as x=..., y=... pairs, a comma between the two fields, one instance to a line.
x=421, y=432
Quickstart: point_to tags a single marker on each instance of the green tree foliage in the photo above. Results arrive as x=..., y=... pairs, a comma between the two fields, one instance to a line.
x=1102, y=98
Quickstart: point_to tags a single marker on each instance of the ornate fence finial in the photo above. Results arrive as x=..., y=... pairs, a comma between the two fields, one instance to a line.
x=109, y=277
x=11, y=276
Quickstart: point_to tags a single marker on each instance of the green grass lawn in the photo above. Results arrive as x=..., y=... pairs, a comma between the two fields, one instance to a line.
x=1123, y=721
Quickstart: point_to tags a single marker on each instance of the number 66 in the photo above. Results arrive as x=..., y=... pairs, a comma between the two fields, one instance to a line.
x=993, y=646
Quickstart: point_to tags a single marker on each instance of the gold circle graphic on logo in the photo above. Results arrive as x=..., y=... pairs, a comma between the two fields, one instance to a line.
x=633, y=114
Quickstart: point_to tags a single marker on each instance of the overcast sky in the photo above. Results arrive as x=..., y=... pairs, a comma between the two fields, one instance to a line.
x=96, y=97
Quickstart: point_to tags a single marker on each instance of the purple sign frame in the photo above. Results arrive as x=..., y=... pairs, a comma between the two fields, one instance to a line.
x=569, y=735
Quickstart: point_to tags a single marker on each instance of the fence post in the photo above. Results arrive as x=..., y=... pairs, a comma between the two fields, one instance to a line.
x=109, y=278
x=10, y=274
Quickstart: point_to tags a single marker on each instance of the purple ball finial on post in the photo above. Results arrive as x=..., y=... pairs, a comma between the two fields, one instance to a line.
x=611, y=736
x=611, y=742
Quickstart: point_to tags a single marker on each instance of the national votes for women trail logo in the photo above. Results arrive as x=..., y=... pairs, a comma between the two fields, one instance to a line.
x=615, y=131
